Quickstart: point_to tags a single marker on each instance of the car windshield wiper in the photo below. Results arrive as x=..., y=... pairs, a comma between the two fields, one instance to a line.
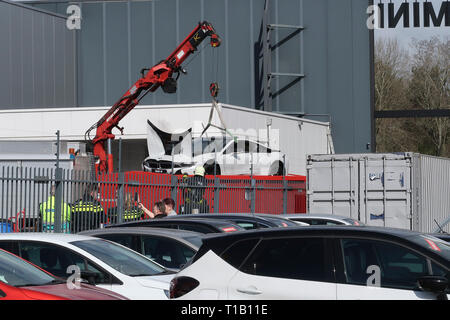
x=141, y=275
x=56, y=281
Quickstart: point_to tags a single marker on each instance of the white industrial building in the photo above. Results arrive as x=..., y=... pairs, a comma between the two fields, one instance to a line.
x=293, y=136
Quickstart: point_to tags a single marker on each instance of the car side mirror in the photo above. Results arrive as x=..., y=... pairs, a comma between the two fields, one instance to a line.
x=2, y=294
x=434, y=284
x=89, y=276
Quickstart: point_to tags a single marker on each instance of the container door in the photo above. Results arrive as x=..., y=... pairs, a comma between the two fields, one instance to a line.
x=333, y=187
x=385, y=192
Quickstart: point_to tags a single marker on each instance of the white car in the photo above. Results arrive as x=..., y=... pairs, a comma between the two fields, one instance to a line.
x=221, y=155
x=322, y=219
x=317, y=263
x=101, y=262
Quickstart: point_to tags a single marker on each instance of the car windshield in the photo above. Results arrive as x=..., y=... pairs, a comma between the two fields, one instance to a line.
x=437, y=245
x=124, y=260
x=19, y=273
x=207, y=145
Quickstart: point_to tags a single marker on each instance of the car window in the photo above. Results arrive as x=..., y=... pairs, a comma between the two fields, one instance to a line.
x=10, y=246
x=237, y=147
x=236, y=253
x=197, y=241
x=262, y=149
x=56, y=260
x=290, y=258
x=399, y=267
x=251, y=147
x=166, y=252
x=125, y=261
x=16, y=272
x=247, y=225
x=195, y=227
x=123, y=239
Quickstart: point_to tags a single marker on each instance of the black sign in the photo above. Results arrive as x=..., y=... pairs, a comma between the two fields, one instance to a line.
x=424, y=14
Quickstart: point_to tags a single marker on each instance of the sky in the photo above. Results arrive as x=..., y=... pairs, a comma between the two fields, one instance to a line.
x=405, y=35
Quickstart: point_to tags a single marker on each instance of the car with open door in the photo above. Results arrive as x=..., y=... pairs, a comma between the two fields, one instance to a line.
x=220, y=155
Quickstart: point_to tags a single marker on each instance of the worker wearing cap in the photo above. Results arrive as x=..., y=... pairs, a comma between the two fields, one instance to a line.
x=47, y=213
x=193, y=192
x=87, y=212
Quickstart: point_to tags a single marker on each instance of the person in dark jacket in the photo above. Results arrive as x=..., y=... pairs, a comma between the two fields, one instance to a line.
x=87, y=212
x=193, y=190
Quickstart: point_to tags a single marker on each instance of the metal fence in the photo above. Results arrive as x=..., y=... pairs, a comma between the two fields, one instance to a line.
x=51, y=200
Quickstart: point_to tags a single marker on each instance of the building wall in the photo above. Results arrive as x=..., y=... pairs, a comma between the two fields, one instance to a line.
x=118, y=39
x=37, y=59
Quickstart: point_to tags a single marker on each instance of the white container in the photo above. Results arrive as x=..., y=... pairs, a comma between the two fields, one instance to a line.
x=401, y=190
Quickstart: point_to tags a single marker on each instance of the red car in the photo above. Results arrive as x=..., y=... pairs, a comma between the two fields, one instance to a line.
x=22, y=280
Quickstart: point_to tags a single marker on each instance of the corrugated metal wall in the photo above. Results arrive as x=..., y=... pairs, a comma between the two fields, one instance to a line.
x=117, y=39
x=37, y=59
x=432, y=198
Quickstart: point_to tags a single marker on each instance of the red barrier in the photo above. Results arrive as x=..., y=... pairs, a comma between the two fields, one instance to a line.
x=234, y=192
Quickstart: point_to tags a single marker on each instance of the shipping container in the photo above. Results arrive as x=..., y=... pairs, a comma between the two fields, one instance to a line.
x=399, y=190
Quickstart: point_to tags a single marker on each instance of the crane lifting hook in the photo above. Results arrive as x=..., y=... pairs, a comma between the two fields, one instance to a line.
x=214, y=89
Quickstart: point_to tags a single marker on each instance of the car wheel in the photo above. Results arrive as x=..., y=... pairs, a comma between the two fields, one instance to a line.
x=209, y=169
x=276, y=169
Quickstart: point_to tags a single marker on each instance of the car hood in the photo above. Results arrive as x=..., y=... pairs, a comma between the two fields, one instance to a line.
x=177, y=158
x=158, y=281
x=159, y=142
x=85, y=292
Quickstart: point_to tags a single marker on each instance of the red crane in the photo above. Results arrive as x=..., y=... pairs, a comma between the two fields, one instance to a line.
x=160, y=75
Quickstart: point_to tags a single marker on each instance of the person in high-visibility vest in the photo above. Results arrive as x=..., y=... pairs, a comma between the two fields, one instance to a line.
x=87, y=212
x=47, y=213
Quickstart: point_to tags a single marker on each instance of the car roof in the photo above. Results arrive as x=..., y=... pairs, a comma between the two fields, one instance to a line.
x=213, y=222
x=318, y=230
x=210, y=216
x=43, y=236
x=176, y=233
x=316, y=215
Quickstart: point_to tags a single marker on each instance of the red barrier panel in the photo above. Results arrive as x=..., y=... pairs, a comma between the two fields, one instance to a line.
x=234, y=192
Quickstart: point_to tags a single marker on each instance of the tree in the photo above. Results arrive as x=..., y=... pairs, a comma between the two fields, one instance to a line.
x=391, y=70
x=429, y=88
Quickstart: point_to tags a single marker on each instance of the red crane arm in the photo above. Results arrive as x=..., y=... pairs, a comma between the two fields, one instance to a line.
x=159, y=75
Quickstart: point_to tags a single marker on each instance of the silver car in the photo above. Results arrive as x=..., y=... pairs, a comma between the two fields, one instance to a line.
x=323, y=219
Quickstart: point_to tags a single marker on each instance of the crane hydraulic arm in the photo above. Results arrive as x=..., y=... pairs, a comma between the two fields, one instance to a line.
x=160, y=75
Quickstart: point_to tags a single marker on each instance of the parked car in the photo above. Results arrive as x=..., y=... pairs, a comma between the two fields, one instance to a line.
x=442, y=236
x=101, y=262
x=200, y=225
x=323, y=219
x=247, y=221
x=224, y=155
x=168, y=247
x=317, y=262
x=21, y=280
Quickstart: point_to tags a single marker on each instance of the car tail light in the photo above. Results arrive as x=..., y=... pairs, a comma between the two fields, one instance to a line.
x=229, y=229
x=179, y=286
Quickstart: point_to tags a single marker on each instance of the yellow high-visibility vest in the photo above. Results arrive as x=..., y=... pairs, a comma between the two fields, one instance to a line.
x=47, y=210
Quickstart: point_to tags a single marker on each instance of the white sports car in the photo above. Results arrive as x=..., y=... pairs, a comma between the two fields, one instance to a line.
x=222, y=156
